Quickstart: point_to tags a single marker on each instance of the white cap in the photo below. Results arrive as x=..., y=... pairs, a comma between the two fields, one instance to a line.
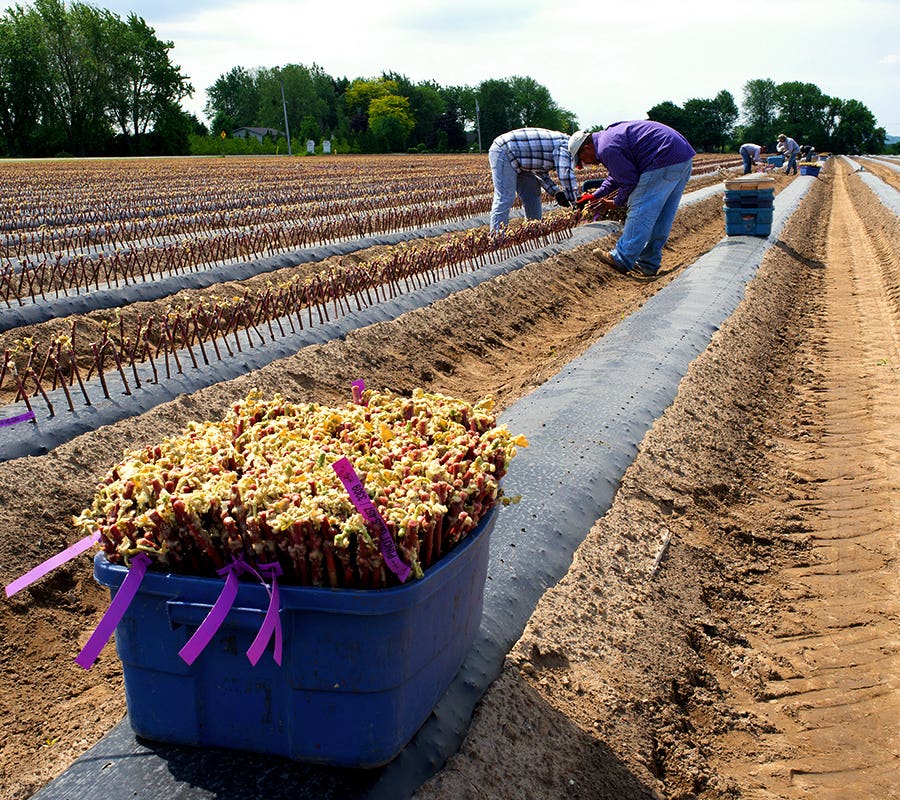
x=576, y=140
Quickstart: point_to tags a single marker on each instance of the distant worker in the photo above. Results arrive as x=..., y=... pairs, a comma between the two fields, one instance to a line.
x=521, y=161
x=790, y=150
x=750, y=154
x=807, y=152
x=648, y=166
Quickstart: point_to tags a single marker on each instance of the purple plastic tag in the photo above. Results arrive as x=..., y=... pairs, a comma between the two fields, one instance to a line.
x=26, y=417
x=115, y=612
x=52, y=563
x=358, y=387
x=216, y=616
x=272, y=622
x=366, y=507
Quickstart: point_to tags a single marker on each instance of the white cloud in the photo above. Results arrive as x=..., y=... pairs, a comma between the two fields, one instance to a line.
x=602, y=62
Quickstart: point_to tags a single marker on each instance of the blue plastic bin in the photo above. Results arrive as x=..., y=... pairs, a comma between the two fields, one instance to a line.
x=752, y=198
x=361, y=669
x=809, y=169
x=748, y=221
x=775, y=161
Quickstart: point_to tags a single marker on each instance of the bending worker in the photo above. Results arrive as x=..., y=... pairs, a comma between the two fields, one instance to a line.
x=750, y=154
x=648, y=164
x=790, y=149
x=521, y=161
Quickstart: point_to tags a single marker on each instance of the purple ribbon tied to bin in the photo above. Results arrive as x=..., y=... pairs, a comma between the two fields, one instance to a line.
x=217, y=614
x=366, y=507
x=272, y=622
x=114, y=612
x=52, y=563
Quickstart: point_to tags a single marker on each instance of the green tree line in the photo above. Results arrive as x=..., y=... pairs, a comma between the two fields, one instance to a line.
x=799, y=110
x=389, y=113
x=79, y=80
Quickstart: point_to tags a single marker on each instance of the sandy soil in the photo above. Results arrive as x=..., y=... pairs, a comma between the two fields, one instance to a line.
x=881, y=169
x=757, y=660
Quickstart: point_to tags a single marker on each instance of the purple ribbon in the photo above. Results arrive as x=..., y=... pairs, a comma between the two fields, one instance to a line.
x=272, y=622
x=358, y=387
x=115, y=612
x=52, y=563
x=26, y=417
x=366, y=507
x=216, y=616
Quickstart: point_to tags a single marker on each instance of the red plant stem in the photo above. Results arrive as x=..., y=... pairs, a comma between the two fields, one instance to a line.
x=180, y=325
x=199, y=339
x=149, y=356
x=77, y=373
x=98, y=361
x=3, y=366
x=22, y=391
x=41, y=390
x=130, y=348
x=62, y=381
x=118, y=361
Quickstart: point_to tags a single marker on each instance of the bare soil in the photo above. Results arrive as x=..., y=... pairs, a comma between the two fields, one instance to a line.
x=757, y=660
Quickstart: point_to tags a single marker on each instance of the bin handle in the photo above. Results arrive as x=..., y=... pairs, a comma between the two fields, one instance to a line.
x=184, y=612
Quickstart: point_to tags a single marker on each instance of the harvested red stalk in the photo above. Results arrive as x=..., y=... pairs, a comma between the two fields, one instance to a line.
x=258, y=484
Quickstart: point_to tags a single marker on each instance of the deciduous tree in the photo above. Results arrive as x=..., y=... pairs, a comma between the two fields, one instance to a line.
x=144, y=83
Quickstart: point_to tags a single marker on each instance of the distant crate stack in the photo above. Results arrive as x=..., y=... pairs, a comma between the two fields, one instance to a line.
x=748, y=206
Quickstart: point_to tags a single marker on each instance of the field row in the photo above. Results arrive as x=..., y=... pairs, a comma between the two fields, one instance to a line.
x=61, y=358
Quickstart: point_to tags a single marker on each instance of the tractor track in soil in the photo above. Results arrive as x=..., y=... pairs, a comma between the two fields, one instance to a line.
x=773, y=471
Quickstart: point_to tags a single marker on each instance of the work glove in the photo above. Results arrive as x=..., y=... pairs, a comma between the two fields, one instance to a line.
x=587, y=197
x=562, y=200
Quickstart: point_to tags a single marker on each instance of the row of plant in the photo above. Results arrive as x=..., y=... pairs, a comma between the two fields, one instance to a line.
x=151, y=229
x=196, y=335
x=66, y=209
x=61, y=194
x=79, y=274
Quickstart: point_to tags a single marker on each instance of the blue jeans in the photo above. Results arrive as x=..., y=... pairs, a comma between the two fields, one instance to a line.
x=651, y=211
x=748, y=163
x=792, y=164
x=508, y=182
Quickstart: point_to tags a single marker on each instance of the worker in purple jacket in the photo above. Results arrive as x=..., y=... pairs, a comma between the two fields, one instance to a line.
x=648, y=164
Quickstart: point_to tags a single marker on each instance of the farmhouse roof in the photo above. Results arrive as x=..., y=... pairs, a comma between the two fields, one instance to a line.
x=258, y=131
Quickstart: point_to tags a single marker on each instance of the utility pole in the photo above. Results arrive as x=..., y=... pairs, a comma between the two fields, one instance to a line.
x=478, y=122
x=287, y=130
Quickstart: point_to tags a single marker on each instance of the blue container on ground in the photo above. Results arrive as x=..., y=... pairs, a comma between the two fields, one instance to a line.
x=361, y=669
x=775, y=161
x=752, y=198
x=809, y=169
x=748, y=221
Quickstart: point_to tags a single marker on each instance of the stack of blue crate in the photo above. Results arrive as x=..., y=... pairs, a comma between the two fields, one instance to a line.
x=748, y=206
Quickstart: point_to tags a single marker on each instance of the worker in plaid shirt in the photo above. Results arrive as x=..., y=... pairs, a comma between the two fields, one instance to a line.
x=521, y=161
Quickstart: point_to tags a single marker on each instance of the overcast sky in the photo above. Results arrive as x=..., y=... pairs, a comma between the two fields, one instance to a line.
x=603, y=61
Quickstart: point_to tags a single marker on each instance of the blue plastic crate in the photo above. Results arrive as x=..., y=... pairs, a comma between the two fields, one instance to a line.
x=753, y=198
x=809, y=169
x=361, y=669
x=748, y=222
x=775, y=161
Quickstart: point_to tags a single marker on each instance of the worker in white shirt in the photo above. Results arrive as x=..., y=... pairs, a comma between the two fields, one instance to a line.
x=790, y=150
x=750, y=154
